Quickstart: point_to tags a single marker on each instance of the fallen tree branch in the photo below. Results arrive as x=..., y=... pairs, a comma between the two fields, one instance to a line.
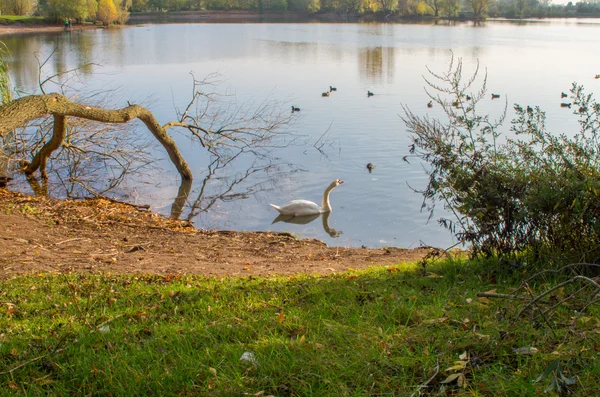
x=17, y=113
x=505, y=296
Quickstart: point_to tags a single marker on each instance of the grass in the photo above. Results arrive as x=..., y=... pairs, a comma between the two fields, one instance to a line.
x=9, y=19
x=379, y=332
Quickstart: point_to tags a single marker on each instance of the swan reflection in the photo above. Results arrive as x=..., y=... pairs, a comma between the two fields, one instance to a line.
x=303, y=220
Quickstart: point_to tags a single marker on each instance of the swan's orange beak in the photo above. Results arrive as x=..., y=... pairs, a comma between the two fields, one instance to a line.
x=340, y=181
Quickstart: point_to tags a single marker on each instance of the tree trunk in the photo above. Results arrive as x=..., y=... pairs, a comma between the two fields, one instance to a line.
x=17, y=113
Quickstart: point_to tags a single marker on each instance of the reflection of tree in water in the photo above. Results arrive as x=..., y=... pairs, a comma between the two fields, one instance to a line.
x=223, y=182
x=76, y=52
x=377, y=64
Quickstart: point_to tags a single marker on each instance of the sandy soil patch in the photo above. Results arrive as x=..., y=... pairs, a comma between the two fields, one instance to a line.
x=43, y=235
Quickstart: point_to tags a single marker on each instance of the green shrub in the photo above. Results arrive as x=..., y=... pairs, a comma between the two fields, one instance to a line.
x=533, y=190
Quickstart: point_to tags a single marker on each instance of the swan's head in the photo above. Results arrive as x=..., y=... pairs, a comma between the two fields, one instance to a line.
x=337, y=183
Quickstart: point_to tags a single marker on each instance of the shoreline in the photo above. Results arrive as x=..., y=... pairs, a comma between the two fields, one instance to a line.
x=43, y=235
x=22, y=28
x=242, y=16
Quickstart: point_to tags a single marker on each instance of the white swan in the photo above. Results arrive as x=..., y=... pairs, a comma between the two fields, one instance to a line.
x=305, y=207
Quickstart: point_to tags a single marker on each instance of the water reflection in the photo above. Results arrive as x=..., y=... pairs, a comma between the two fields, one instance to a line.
x=303, y=220
x=222, y=184
x=377, y=64
x=296, y=62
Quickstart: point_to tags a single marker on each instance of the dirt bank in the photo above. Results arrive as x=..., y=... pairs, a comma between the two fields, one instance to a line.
x=43, y=235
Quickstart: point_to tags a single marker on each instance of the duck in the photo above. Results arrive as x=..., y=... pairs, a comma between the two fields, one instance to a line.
x=597, y=76
x=370, y=167
x=582, y=109
x=565, y=105
x=369, y=93
x=295, y=109
x=325, y=93
x=563, y=95
x=529, y=109
x=305, y=207
x=494, y=96
x=455, y=104
x=429, y=105
x=332, y=88
x=468, y=97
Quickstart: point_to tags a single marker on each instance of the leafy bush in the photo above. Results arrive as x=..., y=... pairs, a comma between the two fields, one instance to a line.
x=508, y=194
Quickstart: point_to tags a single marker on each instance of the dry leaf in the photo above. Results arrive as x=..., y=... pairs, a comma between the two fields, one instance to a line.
x=451, y=378
x=436, y=320
x=525, y=350
x=212, y=371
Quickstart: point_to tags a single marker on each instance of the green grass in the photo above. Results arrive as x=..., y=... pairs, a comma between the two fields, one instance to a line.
x=379, y=332
x=8, y=19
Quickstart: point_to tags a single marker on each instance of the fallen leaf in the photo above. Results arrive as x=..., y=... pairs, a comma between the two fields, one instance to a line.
x=436, y=320
x=451, y=378
x=525, y=350
x=212, y=371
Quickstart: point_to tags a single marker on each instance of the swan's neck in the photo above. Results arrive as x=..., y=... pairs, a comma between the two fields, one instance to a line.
x=325, y=205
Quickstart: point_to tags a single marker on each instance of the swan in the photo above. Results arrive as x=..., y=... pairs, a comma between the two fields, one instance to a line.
x=305, y=207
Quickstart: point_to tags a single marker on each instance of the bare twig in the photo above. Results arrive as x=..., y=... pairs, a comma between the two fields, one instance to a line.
x=556, y=287
x=424, y=385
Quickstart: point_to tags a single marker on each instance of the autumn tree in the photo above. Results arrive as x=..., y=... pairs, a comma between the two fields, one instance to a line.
x=408, y=7
x=80, y=10
x=435, y=6
x=107, y=12
x=17, y=7
x=449, y=8
x=479, y=7
x=385, y=5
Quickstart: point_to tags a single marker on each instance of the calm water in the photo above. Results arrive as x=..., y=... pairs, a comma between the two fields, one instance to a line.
x=529, y=63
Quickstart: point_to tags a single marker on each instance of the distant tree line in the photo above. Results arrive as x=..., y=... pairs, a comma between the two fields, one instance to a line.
x=437, y=8
x=106, y=11
x=117, y=11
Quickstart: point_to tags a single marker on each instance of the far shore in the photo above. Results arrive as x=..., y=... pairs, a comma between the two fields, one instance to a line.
x=24, y=28
x=240, y=16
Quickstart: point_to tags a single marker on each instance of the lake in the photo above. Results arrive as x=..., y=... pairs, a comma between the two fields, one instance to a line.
x=529, y=63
